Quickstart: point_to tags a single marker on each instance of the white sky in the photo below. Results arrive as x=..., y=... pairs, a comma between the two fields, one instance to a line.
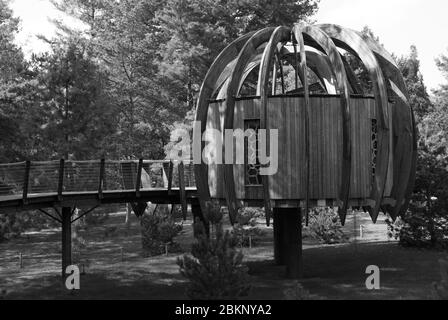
x=398, y=23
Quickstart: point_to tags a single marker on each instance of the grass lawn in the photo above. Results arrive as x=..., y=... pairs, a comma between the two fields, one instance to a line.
x=117, y=269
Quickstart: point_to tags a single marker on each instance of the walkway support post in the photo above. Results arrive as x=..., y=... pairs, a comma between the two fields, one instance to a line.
x=66, y=239
x=279, y=252
x=288, y=240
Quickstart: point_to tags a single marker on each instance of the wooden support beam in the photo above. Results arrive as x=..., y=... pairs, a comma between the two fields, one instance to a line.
x=50, y=216
x=352, y=42
x=182, y=190
x=293, y=230
x=279, y=246
x=288, y=240
x=209, y=85
x=139, y=208
x=273, y=37
x=330, y=49
x=66, y=239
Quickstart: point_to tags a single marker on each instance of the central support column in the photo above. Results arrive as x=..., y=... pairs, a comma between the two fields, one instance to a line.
x=288, y=240
x=66, y=239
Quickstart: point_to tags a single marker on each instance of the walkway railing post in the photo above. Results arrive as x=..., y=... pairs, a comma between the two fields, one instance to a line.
x=101, y=179
x=138, y=183
x=61, y=179
x=66, y=240
x=26, y=182
x=170, y=176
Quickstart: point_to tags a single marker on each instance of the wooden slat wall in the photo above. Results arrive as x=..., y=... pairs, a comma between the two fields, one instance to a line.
x=287, y=115
x=362, y=113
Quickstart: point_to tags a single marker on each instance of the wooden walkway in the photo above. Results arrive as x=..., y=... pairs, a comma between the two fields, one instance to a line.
x=39, y=185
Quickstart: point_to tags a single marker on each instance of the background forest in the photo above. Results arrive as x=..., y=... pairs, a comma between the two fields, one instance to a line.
x=119, y=88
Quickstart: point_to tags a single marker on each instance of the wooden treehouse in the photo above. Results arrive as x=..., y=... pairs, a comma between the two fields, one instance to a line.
x=346, y=131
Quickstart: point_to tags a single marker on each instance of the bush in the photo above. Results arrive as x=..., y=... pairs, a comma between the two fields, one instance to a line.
x=245, y=230
x=425, y=225
x=325, y=226
x=158, y=233
x=297, y=292
x=249, y=216
x=10, y=226
x=14, y=223
x=215, y=268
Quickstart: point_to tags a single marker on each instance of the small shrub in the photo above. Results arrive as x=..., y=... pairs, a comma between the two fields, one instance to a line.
x=417, y=229
x=247, y=235
x=215, y=268
x=214, y=212
x=325, y=226
x=245, y=229
x=10, y=226
x=249, y=216
x=158, y=233
x=425, y=225
x=96, y=218
x=297, y=292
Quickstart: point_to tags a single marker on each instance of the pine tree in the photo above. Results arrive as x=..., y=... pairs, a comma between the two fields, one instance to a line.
x=419, y=97
x=215, y=268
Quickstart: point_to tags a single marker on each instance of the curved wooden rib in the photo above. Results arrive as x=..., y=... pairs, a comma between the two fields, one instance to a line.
x=353, y=80
x=280, y=34
x=226, y=57
x=353, y=42
x=406, y=148
x=319, y=64
x=245, y=56
x=325, y=42
x=303, y=72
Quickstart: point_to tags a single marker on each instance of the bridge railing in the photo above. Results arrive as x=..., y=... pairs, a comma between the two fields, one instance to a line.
x=58, y=177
